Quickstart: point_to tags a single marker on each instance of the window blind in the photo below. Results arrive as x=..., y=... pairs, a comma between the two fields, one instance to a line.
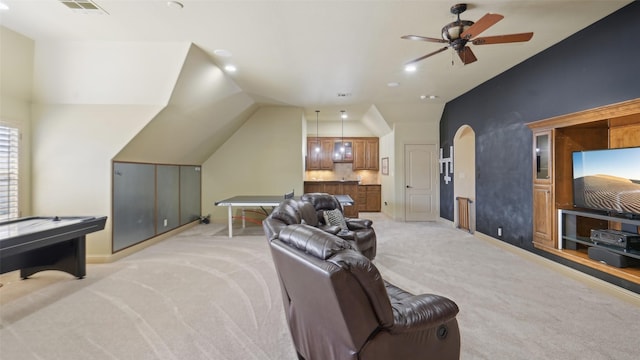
x=8, y=172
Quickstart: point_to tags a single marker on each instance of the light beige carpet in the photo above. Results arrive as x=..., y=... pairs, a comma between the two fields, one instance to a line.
x=201, y=295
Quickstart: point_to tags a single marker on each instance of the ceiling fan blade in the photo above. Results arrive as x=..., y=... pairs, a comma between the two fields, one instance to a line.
x=467, y=56
x=426, y=56
x=481, y=25
x=423, y=38
x=501, y=39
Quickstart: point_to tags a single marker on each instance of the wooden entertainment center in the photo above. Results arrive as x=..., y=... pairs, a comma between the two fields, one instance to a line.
x=554, y=141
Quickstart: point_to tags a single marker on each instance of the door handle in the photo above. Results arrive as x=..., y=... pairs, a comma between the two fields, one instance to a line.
x=408, y=186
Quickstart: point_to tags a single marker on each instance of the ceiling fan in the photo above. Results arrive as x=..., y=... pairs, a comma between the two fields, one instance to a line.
x=460, y=32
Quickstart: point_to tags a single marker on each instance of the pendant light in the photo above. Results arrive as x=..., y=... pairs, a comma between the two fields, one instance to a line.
x=342, y=137
x=317, y=140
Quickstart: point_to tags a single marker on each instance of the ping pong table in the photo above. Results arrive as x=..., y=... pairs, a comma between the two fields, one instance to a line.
x=262, y=201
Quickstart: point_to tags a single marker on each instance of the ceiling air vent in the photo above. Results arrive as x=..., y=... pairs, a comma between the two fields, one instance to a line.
x=84, y=7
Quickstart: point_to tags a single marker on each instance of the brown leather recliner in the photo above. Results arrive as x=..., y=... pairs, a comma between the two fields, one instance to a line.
x=360, y=231
x=338, y=307
x=291, y=211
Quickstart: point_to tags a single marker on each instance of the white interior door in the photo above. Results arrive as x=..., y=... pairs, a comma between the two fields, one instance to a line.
x=420, y=182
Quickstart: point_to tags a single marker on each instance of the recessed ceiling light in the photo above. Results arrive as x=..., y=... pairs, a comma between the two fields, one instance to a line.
x=430, y=97
x=410, y=68
x=222, y=52
x=393, y=84
x=230, y=68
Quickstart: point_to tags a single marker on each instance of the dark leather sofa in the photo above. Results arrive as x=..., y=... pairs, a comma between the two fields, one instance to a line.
x=337, y=305
x=309, y=210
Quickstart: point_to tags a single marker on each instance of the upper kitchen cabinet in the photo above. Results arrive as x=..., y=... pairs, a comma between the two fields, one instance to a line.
x=343, y=150
x=319, y=154
x=322, y=152
x=365, y=154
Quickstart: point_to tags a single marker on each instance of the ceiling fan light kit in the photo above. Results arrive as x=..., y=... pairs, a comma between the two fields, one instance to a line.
x=461, y=32
x=452, y=31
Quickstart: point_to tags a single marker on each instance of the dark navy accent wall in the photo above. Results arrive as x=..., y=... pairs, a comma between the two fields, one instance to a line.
x=596, y=66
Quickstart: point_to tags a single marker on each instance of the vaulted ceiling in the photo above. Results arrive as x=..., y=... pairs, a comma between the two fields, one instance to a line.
x=326, y=55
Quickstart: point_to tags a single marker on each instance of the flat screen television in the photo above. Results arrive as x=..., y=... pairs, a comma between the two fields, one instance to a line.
x=608, y=180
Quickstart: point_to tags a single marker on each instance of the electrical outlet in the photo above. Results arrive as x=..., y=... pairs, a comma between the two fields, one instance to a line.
x=385, y=203
x=499, y=231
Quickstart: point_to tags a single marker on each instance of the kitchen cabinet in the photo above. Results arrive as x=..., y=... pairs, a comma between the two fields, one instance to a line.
x=369, y=198
x=313, y=187
x=343, y=150
x=365, y=154
x=319, y=154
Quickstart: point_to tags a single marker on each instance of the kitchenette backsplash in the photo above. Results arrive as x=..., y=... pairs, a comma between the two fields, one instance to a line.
x=343, y=171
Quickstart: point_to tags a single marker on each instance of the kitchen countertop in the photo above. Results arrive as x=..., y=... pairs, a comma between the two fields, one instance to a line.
x=338, y=181
x=332, y=181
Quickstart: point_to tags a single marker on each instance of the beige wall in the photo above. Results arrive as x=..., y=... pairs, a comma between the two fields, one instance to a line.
x=265, y=156
x=72, y=170
x=16, y=78
x=352, y=128
x=388, y=196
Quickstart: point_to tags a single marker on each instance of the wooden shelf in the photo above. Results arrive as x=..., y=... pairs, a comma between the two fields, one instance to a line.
x=580, y=256
x=575, y=229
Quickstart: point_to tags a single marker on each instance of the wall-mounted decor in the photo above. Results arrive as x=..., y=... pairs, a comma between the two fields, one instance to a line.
x=385, y=166
x=446, y=165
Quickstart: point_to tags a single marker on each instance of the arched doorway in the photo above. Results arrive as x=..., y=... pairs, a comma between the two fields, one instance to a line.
x=464, y=160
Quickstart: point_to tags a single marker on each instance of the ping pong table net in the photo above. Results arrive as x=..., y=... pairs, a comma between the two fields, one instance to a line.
x=261, y=213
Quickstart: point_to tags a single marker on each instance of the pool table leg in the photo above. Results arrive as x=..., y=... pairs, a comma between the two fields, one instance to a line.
x=68, y=256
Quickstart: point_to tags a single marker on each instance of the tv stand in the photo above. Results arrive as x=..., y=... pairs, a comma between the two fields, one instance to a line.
x=574, y=238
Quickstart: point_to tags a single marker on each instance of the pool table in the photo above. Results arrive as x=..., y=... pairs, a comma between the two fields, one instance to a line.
x=34, y=244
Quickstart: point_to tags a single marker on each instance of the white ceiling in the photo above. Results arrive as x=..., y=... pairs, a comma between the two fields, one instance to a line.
x=304, y=53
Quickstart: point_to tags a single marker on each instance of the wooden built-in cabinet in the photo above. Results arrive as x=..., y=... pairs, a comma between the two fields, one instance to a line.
x=362, y=152
x=542, y=188
x=554, y=141
x=543, y=216
x=369, y=198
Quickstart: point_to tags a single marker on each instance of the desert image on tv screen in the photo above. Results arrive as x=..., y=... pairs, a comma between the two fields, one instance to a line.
x=608, y=193
x=608, y=180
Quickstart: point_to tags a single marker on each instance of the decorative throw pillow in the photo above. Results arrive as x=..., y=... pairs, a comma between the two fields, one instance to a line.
x=335, y=217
